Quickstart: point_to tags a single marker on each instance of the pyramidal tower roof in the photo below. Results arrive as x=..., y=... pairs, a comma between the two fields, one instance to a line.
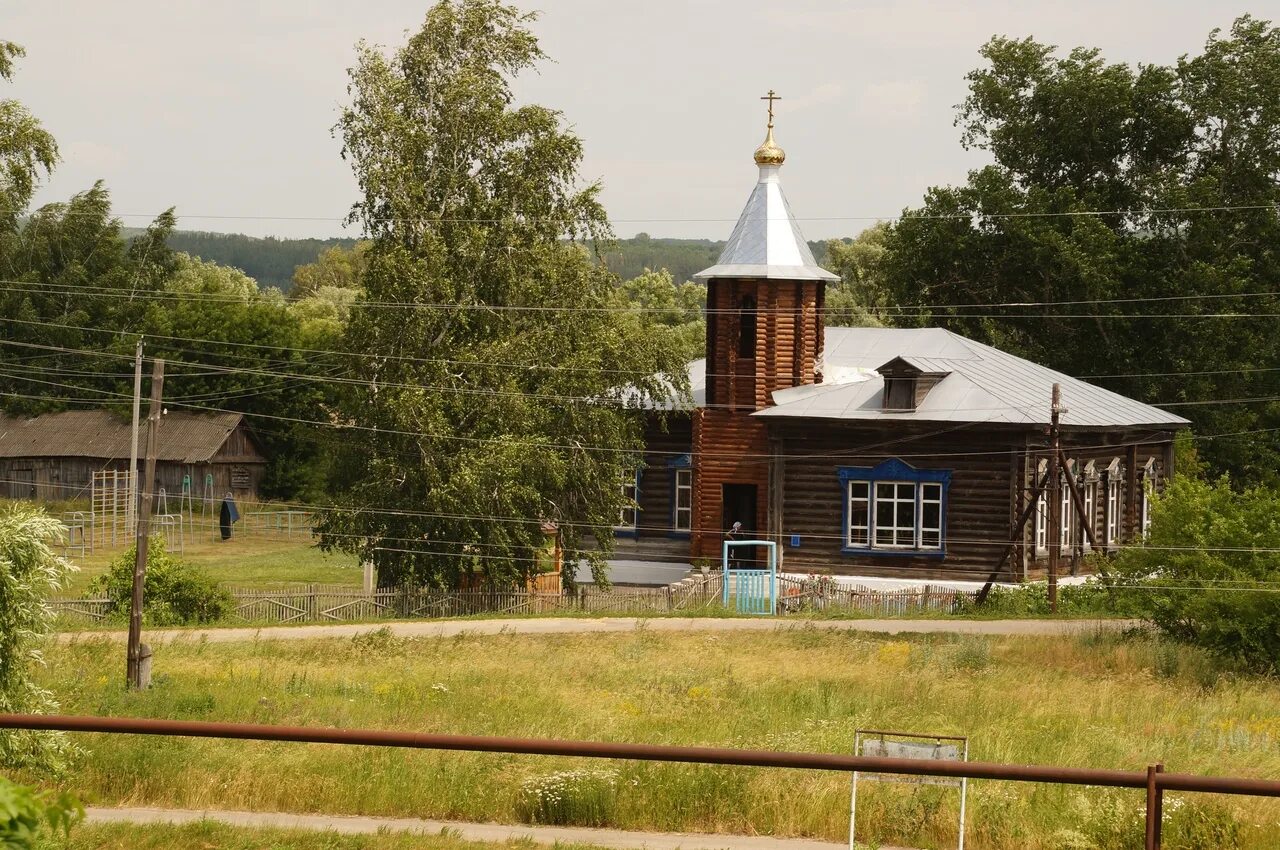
x=766, y=243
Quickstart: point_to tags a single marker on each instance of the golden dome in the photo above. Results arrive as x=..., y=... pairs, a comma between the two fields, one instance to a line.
x=769, y=153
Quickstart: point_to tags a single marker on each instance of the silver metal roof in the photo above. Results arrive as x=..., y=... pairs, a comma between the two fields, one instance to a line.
x=983, y=384
x=766, y=243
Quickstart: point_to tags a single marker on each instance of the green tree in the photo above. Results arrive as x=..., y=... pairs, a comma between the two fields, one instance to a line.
x=670, y=309
x=1209, y=569
x=30, y=572
x=26, y=148
x=1109, y=183
x=498, y=403
x=861, y=298
x=338, y=267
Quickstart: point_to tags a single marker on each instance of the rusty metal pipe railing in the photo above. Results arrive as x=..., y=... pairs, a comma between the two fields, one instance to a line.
x=643, y=752
x=1153, y=780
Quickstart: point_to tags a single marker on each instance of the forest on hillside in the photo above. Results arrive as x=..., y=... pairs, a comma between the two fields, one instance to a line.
x=271, y=260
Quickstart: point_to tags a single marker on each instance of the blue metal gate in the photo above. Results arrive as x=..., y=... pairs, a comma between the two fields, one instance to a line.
x=753, y=590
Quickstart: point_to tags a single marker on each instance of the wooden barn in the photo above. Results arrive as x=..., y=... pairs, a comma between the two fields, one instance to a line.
x=906, y=453
x=53, y=456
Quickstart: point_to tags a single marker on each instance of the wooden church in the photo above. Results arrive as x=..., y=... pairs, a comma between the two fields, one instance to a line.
x=911, y=453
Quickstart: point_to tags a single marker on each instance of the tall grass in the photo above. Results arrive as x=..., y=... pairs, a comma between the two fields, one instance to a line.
x=207, y=835
x=1090, y=701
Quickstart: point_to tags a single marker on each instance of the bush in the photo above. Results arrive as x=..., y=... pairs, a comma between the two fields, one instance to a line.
x=30, y=571
x=1091, y=599
x=174, y=593
x=24, y=813
x=1209, y=569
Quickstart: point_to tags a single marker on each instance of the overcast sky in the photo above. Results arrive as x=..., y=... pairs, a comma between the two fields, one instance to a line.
x=223, y=109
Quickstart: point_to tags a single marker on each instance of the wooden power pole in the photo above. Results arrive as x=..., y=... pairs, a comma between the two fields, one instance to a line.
x=133, y=451
x=1055, y=496
x=133, y=674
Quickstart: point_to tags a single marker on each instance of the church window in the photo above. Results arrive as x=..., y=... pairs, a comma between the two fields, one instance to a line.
x=894, y=508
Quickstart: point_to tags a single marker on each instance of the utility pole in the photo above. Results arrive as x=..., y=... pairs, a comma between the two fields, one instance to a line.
x=133, y=452
x=133, y=675
x=1055, y=496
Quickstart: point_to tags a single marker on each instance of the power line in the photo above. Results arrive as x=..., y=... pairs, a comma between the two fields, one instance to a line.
x=909, y=310
x=1122, y=211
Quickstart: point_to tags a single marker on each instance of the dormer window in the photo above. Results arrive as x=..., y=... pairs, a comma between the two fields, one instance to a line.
x=899, y=393
x=906, y=384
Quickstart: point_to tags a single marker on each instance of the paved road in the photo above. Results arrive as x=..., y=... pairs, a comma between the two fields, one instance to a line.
x=471, y=831
x=569, y=625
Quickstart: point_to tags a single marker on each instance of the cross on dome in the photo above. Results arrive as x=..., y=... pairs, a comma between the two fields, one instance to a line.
x=769, y=153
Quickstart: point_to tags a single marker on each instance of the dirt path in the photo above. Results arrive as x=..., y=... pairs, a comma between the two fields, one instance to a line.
x=568, y=625
x=494, y=832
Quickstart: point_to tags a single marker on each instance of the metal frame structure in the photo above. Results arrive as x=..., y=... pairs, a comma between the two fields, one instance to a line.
x=1155, y=781
x=861, y=735
x=735, y=578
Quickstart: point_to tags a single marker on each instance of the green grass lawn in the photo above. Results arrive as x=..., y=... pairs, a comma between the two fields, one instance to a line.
x=209, y=835
x=255, y=561
x=1090, y=701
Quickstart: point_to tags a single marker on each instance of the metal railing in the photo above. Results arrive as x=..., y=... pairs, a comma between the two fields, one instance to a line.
x=1154, y=780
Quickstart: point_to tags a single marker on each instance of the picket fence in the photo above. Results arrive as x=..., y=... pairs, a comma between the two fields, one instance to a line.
x=330, y=603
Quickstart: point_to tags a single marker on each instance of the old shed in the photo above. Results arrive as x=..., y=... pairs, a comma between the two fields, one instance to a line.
x=53, y=456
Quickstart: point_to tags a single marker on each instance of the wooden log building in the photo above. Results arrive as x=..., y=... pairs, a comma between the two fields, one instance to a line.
x=908, y=453
x=53, y=456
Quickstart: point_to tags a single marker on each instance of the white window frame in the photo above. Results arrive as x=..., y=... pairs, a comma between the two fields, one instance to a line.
x=1042, y=510
x=895, y=530
x=629, y=483
x=682, y=518
x=1148, y=484
x=1089, y=493
x=865, y=527
x=1111, y=522
x=867, y=534
x=924, y=498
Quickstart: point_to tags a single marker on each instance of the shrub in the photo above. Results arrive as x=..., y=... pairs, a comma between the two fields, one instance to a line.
x=1092, y=598
x=29, y=572
x=24, y=813
x=1208, y=569
x=174, y=592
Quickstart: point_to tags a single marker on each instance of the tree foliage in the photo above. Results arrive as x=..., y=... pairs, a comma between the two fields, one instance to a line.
x=1110, y=185
x=339, y=267
x=496, y=405
x=671, y=310
x=26, y=148
x=30, y=572
x=27, y=814
x=861, y=298
x=1209, y=569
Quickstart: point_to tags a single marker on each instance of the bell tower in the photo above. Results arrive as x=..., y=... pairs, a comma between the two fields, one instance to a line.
x=764, y=333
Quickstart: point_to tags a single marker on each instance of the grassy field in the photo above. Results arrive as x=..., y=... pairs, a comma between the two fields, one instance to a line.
x=1090, y=701
x=256, y=561
x=209, y=835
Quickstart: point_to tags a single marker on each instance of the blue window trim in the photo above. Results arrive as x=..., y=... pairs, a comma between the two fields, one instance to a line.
x=674, y=465
x=633, y=533
x=892, y=469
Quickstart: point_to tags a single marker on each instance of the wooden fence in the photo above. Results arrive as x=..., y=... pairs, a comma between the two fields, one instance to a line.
x=340, y=603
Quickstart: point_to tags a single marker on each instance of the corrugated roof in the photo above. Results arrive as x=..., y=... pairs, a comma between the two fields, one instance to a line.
x=184, y=437
x=984, y=384
x=767, y=242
